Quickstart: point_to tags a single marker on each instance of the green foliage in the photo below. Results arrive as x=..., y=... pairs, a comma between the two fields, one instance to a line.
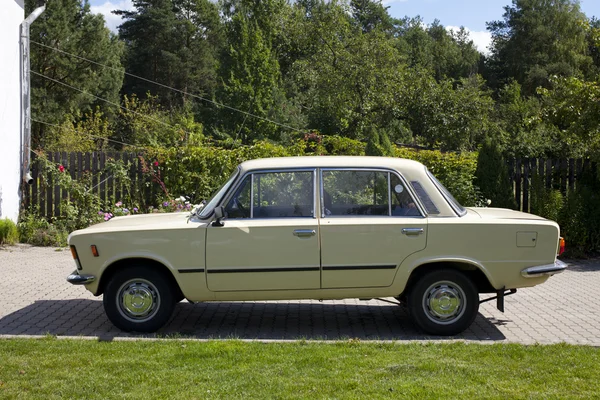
x=572, y=105
x=8, y=232
x=491, y=176
x=537, y=39
x=577, y=212
x=174, y=42
x=455, y=170
x=545, y=202
x=379, y=144
x=71, y=26
x=38, y=231
x=580, y=217
x=147, y=123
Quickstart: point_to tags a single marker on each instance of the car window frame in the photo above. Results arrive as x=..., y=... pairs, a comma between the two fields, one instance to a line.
x=412, y=194
x=251, y=173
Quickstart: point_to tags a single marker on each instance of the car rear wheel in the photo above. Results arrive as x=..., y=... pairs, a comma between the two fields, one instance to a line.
x=443, y=302
x=139, y=299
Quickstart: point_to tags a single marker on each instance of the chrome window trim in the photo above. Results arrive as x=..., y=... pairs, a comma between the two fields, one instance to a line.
x=241, y=179
x=389, y=176
x=412, y=194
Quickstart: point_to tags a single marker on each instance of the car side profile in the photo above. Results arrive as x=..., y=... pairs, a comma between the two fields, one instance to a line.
x=318, y=228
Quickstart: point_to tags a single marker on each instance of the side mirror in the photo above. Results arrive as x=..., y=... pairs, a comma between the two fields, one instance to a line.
x=219, y=215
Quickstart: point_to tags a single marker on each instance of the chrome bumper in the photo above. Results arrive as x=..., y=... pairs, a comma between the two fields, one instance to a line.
x=77, y=279
x=548, y=269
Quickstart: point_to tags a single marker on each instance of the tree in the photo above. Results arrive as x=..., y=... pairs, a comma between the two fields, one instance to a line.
x=70, y=26
x=251, y=79
x=491, y=176
x=448, y=54
x=572, y=105
x=537, y=39
x=175, y=43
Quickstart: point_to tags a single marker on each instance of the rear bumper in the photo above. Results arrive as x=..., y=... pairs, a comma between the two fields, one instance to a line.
x=77, y=279
x=541, y=270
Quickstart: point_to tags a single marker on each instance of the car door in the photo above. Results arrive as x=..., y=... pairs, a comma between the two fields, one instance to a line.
x=369, y=223
x=269, y=237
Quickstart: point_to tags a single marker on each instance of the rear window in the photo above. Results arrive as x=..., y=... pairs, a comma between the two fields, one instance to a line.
x=424, y=197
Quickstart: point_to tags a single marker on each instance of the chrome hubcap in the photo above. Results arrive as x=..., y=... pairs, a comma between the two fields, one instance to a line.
x=444, y=302
x=138, y=300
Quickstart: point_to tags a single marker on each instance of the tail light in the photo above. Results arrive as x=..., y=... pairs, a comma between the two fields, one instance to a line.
x=561, y=246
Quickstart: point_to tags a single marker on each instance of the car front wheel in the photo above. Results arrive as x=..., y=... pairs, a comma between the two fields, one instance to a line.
x=443, y=302
x=139, y=299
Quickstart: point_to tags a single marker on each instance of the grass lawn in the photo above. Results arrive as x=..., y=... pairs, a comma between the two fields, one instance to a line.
x=51, y=368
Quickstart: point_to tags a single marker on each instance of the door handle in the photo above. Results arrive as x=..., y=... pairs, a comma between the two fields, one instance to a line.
x=412, y=231
x=304, y=232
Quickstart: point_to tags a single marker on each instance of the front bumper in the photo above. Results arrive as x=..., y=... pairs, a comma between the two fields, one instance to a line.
x=77, y=279
x=541, y=270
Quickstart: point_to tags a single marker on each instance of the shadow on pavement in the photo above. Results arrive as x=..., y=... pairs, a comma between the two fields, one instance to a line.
x=583, y=265
x=241, y=320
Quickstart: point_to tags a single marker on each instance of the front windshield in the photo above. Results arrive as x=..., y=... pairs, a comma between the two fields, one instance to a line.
x=460, y=210
x=217, y=196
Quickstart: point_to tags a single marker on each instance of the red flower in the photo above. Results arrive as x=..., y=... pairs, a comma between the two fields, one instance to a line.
x=155, y=163
x=61, y=168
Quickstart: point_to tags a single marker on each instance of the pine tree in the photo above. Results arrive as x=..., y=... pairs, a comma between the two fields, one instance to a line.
x=70, y=26
x=491, y=176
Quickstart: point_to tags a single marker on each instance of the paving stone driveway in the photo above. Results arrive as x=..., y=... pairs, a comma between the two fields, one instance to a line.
x=36, y=300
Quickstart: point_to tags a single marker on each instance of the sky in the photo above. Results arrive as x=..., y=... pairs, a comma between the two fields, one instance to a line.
x=472, y=14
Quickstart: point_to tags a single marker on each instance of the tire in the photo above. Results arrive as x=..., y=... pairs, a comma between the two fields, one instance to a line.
x=139, y=299
x=443, y=302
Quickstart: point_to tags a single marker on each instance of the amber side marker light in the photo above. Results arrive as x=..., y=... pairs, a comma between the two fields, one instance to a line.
x=561, y=246
x=94, y=250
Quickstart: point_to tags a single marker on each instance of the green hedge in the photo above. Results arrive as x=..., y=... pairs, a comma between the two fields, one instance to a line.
x=197, y=171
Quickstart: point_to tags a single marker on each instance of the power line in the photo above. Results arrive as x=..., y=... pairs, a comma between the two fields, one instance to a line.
x=247, y=114
x=107, y=101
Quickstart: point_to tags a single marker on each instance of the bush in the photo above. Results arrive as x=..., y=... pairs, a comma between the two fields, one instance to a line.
x=8, y=232
x=196, y=172
x=37, y=231
x=491, y=176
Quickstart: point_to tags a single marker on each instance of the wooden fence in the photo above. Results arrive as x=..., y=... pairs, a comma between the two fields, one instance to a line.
x=562, y=174
x=47, y=196
x=559, y=174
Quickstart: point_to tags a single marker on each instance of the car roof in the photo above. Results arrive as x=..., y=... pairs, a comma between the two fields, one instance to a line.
x=332, y=162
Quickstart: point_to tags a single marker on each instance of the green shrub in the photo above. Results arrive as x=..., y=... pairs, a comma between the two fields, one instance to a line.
x=37, y=231
x=8, y=232
x=491, y=176
x=455, y=170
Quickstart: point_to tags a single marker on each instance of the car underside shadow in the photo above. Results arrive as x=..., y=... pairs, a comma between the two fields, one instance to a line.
x=289, y=320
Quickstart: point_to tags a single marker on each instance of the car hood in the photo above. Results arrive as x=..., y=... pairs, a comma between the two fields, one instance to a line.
x=142, y=222
x=503, y=213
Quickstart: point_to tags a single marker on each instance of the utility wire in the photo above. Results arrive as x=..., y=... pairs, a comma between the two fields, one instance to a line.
x=248, y=114
x=107, y=101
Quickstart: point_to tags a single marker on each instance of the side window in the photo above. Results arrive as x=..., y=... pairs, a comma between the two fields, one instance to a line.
x=273, y=195
x=283, y=194
x=355, y=193
x=402, y=202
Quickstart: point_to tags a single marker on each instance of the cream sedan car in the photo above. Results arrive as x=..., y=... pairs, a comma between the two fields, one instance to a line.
x=318, y=228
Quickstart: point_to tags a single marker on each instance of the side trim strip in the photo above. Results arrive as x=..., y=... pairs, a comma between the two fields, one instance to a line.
x=355, y=267
x=241, y=270
x=189, y=271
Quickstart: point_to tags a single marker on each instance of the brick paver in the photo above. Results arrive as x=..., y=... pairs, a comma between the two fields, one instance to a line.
x=36, y=300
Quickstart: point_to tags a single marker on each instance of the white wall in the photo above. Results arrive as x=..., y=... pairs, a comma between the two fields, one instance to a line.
x=11, y=15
